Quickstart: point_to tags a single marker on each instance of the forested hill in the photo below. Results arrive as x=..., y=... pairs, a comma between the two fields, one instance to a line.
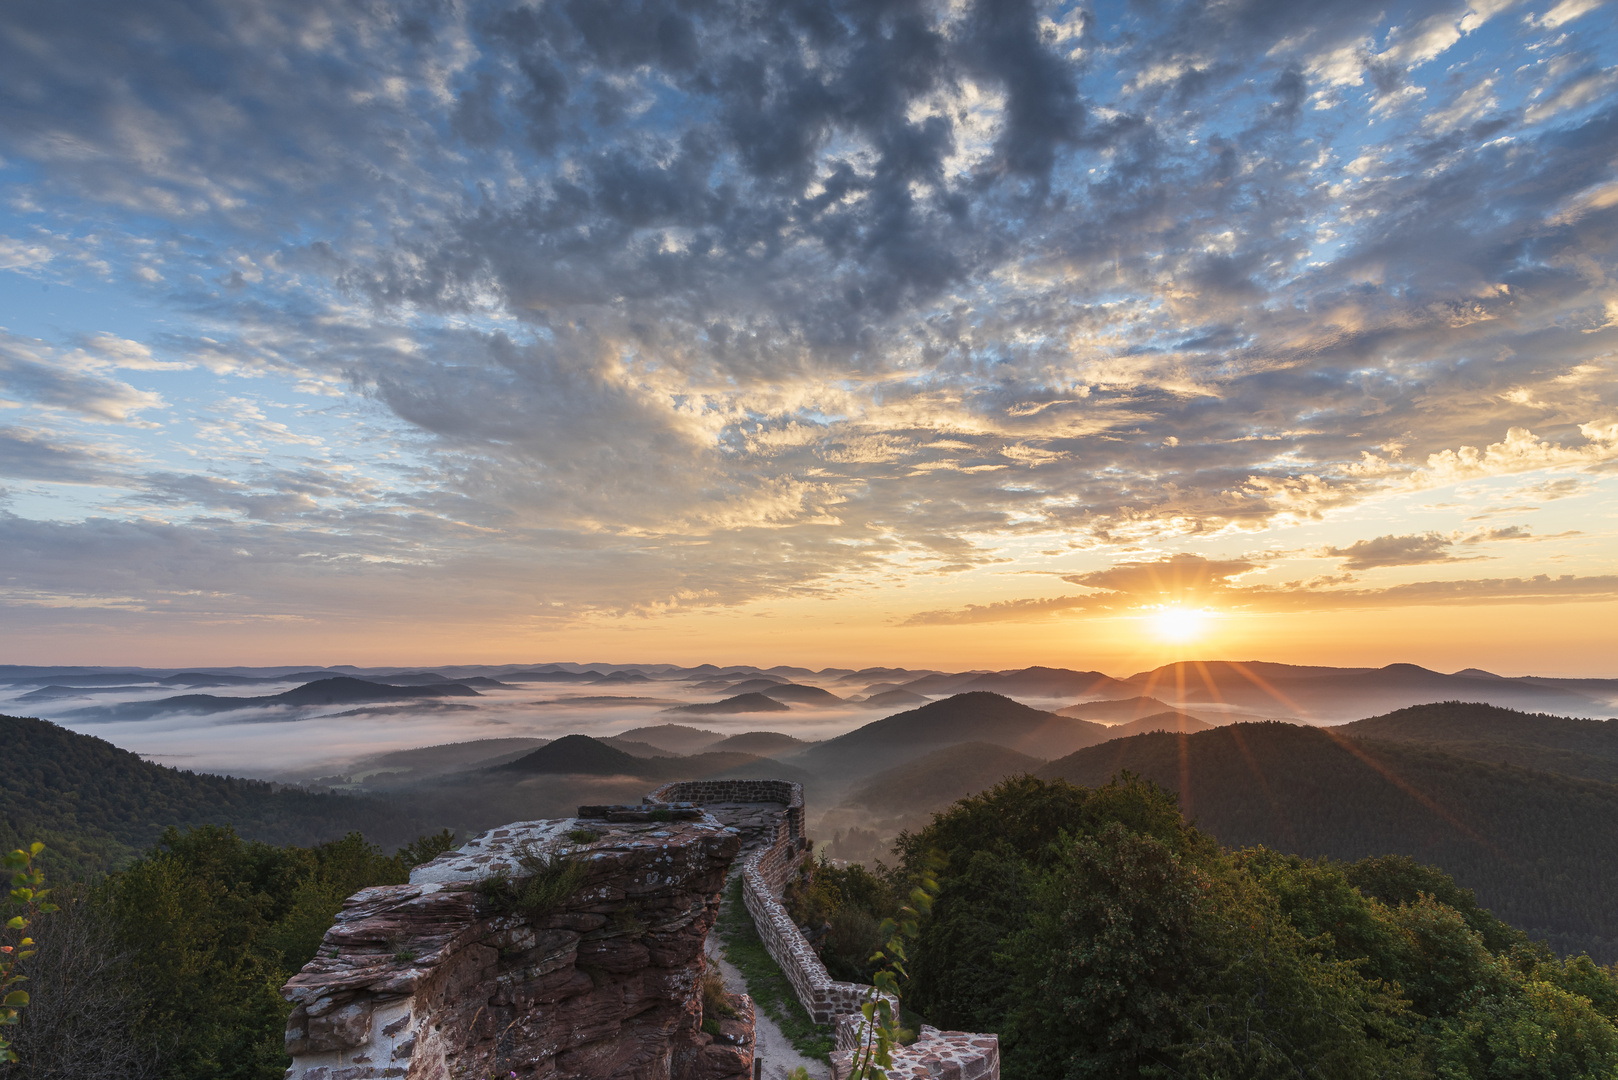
x=1558, y=744
x=96, y=806
x=1540, y=850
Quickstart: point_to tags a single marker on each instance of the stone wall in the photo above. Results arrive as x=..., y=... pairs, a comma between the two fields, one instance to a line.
x=697, y=792
x=945, y=1055
x=935, y=1055
x=765, y=874
x=430, y=981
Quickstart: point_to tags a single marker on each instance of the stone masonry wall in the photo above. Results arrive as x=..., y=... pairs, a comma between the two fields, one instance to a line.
x=785, y=792
x=940, y=1055
x=425, y=982
x=935, y=1055
x=764, y=876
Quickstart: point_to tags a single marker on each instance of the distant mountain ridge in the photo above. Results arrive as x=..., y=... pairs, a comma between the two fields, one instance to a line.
x=337, y=690
x=741, y=703
x=1349, y=693
x=977, y=716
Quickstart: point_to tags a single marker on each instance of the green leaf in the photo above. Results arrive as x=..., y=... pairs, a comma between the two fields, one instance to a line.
x=16, y=999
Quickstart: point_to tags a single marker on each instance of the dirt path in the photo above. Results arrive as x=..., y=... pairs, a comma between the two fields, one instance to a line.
x=769, y=1045
x=756, y=822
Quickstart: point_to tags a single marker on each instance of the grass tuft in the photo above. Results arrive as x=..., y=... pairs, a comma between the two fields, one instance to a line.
x=541, y=885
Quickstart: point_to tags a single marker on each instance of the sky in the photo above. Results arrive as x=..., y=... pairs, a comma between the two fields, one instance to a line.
x=807, y=331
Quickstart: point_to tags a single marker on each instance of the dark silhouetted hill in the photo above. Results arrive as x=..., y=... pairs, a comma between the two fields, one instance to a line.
x=1538, y=849
x=59, y=693
x=1349, y=693
x=748, y=686
x=343, y=690
x=199, y=680
x=636, y=749
x=803, y=695
x=941, y=682
x=103, y=679
x=1557, y=744
x=1046, y=682
x=97, y=806
x=1116, y=711
x=675, y=738
x=741, y=703
x=413, y=678
x=972, y=717
x=893, y=699
x=402, y=767
x=336, y=690
x=762, y=743
x=430, y=678
x=1163, y=721
x=552, y=676
x=582, y=754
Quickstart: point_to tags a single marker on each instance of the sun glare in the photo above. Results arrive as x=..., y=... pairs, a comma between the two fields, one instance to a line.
x=1179, y=625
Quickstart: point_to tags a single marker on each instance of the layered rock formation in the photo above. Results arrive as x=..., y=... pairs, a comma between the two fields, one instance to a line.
x=450, y=977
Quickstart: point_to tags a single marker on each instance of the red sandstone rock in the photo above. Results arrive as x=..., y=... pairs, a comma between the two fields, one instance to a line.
x=426, y=982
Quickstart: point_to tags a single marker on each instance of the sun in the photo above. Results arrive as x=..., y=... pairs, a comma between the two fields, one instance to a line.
x=1179, y=625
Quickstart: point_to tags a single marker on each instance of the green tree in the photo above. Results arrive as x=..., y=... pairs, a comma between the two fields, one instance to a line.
x=217, y=924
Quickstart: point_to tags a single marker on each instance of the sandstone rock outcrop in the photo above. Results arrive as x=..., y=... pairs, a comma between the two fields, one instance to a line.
x=434, y=980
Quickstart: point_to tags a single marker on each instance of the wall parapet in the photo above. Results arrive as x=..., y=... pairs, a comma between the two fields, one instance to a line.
x=945, y=1055
x=936, y=1055
x=786, y=792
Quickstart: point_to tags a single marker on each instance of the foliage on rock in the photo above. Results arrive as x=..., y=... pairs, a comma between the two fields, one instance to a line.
x=542, y=882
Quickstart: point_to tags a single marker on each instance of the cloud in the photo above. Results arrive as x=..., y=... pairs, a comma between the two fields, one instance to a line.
x=1394, y=551
x=656, y=306
x=1564, y=11
x=27, y=454
x=1321, y=595
x=33, y=371
x=1177, y=579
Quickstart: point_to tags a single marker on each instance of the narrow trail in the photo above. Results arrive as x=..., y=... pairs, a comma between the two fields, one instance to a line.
x=756, y=822
x=769, y=1044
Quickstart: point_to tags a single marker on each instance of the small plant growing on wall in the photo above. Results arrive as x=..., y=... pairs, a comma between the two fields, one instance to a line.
x=715, y=1002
